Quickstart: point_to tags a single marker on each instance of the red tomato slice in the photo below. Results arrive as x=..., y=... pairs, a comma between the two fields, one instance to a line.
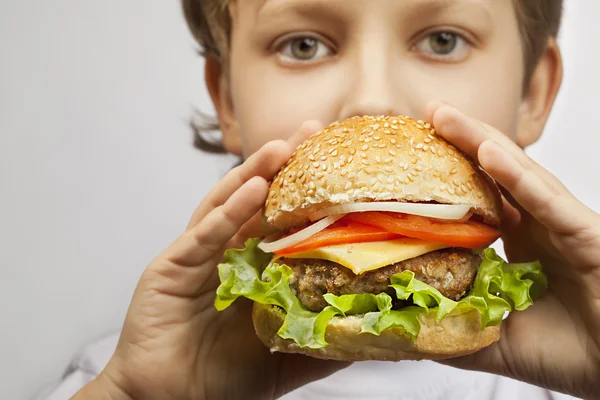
x=340, y=233
x=468, y=234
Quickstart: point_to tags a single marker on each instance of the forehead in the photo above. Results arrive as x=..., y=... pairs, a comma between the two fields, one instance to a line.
x=261, y=10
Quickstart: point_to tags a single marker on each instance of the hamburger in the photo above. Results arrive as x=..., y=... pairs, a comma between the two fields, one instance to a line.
x=376, y=246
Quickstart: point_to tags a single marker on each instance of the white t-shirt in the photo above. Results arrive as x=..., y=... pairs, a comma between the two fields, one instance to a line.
x=408, y=380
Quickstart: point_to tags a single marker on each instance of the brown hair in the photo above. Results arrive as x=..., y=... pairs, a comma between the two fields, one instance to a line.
x=210, y=23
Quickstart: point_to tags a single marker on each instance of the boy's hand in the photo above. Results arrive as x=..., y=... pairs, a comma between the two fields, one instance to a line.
x=174, y=343
x=556, y=342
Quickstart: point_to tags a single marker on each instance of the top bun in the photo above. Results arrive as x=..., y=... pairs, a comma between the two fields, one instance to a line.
x=368, y=158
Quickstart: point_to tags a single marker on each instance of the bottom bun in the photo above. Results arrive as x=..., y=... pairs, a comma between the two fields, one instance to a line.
x=453, y=336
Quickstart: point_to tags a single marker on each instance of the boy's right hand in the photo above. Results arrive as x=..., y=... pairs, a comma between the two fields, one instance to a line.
x=174, y=343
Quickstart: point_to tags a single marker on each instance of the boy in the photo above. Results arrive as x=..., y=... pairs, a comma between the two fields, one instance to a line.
x=271, y=65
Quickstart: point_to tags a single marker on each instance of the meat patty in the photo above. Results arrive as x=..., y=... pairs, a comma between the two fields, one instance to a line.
x=451, y=271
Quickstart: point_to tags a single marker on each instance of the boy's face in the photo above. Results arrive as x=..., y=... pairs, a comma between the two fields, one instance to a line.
x=298, y=60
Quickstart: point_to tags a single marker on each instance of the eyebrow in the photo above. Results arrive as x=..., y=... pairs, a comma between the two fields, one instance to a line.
x=453, y=6
x=325, y=10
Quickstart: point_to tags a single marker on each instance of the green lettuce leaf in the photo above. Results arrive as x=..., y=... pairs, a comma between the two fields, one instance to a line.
x=499, y=287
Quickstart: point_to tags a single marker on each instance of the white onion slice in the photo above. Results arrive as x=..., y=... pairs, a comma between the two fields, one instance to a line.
x=452, y=212
x=288, y=241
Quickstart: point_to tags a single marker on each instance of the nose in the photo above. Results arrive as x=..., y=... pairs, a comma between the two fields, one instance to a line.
x=372, y=89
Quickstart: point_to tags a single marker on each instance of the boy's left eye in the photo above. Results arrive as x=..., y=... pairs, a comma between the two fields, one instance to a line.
x=304, y=49
x=443, y=45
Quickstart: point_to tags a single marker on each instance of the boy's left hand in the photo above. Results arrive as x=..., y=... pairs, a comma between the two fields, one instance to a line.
x=556, y=342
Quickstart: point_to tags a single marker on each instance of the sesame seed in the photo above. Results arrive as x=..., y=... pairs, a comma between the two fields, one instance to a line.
x=323, y=158
x=453, y=171
x=334, y=153
x=425, y=147
x=419, y=168
x=419, y=126
x=389, y=169
x=464, y=189
x=377, y=159
x=479, y=195
x=351, y=175
x=427, y=125
x=350, y=159
x=393, y=141
x=353, y=151
x=394, y=127
x=419, y=146
x=388, y=160
x=392, y=152
x=365, y=162
x=427, y=140
x=363, y=155
x=432, y=149
x=369, y=170
x=386, y=125
x=455, y=159
x=311, y=185
x=469, y=185
x=402, y=122
x=377, y=137
x=324, y=167
x=311, y=157
x=364, y=147
x=348, y=186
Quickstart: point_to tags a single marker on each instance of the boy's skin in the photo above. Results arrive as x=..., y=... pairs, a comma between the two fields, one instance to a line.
x=174, y=344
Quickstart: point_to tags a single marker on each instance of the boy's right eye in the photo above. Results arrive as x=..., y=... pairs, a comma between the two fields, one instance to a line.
x=302, y=49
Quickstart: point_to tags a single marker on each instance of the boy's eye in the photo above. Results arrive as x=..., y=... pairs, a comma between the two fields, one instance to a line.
x=444, y=45
x=302, y=49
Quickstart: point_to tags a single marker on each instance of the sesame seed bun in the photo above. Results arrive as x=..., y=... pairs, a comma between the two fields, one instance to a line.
x=377, y=159
x=454, y=336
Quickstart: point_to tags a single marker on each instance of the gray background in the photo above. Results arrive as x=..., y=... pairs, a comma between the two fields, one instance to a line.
x=98, y=174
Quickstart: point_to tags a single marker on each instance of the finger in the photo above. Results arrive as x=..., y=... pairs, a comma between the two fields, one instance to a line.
x=555, y=209
x=205, y=241
x=264, y=163
x=469, y=134
x=307, y=129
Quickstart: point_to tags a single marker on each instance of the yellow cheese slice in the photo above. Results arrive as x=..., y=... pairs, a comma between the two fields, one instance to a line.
x=363, y=257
